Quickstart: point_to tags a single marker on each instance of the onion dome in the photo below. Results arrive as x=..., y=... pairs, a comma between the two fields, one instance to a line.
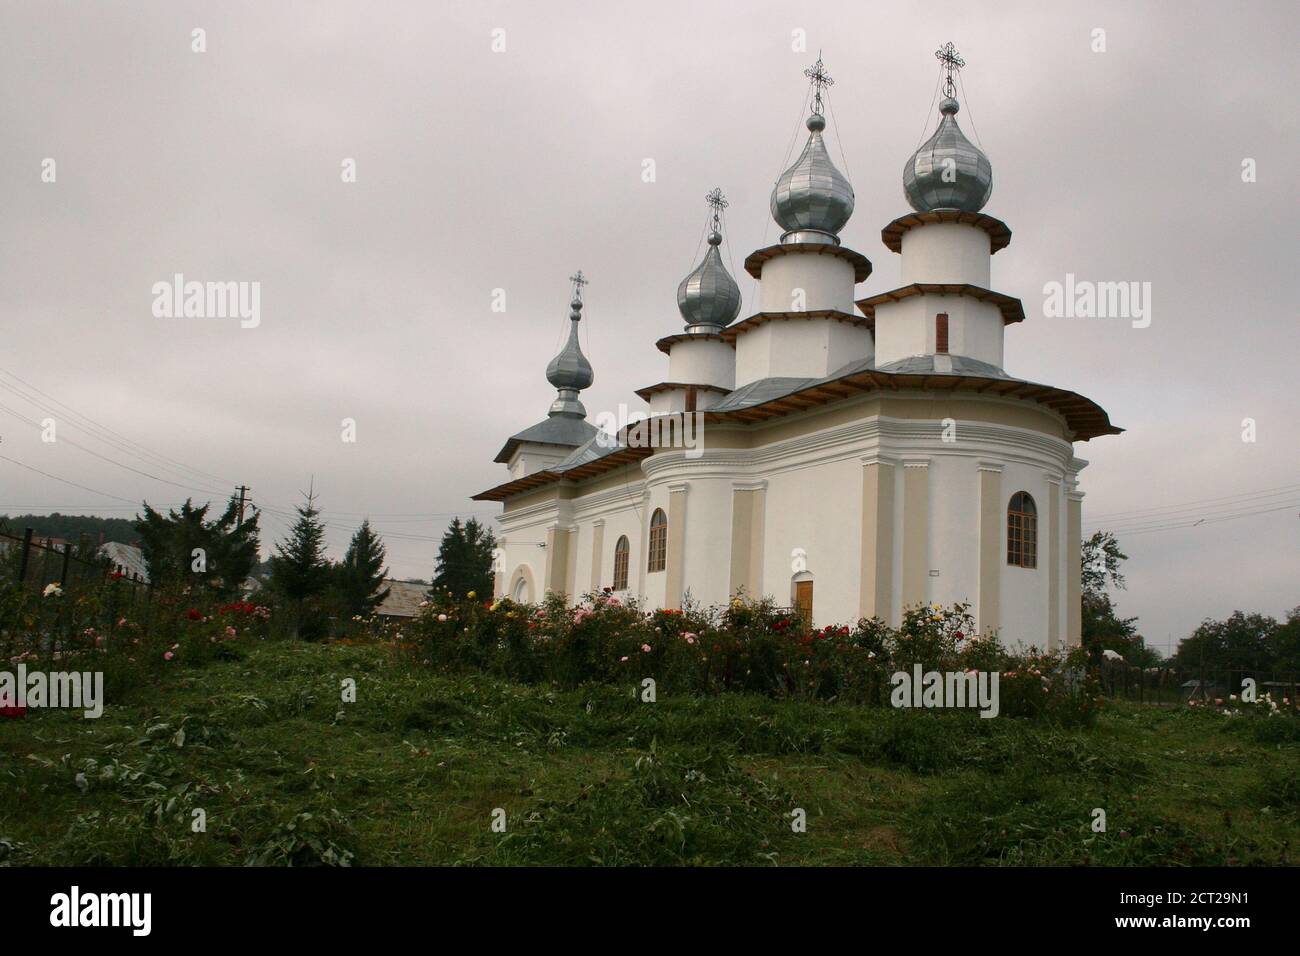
x=948, y=171
x=709, y=298
x=812, y=195
x=570, y=372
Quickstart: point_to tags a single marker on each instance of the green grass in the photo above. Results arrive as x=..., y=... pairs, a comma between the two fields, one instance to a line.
x=411, y=773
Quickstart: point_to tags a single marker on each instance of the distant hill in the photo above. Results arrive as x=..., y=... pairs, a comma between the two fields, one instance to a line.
x=71, y=527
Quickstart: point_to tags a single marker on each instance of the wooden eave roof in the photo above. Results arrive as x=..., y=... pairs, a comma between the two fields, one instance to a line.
x=999, y=232
x=1011, y=308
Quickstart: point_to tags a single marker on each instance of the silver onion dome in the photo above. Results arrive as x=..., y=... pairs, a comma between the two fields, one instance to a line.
x=812, y=195
x=948, y=171
x=570, y=372
x=709, y=296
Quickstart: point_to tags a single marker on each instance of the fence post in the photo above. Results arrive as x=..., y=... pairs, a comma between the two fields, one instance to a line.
x=67, y=553
x=22, y=559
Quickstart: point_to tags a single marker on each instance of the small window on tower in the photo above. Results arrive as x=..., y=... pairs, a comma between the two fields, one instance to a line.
x=690, y=398
x=941, y=333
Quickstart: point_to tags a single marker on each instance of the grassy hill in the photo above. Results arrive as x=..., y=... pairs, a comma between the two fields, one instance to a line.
x=412, y=772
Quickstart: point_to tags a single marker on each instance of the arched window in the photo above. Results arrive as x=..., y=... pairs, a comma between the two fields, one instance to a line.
x=621, y=552
x=658, y=541
x=1022, y=531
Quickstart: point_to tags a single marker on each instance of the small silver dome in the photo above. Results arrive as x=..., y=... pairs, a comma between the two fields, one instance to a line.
x=948, y=171
x=570, y=372
x=709, y=296
x=812, y=195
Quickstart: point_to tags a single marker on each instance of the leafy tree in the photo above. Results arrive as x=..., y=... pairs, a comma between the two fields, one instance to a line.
x=1243, y=642
x=1285, y=644
x=184, y=549
x=360, y=578
x=1103, y=628
x=464, y=560
x=300, y=572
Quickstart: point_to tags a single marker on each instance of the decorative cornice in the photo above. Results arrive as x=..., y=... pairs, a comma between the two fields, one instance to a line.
x=999, y=233
x=645, y=393
x=861, y=264
x=666, y=343
x=749, y=484
x=1012, y=309
x=762, y=318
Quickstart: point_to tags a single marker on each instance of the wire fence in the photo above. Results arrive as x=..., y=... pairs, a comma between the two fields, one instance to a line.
x=36, y=562
x=1174, y=685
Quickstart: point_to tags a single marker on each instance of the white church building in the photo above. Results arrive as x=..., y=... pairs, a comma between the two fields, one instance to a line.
x=848, y=453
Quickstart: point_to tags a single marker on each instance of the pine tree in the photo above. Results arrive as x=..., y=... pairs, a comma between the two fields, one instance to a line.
x=183, y=549
x=464, y=560
x=300, y=572
x=360, y=578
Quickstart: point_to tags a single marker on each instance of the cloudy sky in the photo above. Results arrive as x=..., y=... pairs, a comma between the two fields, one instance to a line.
x=479, y=170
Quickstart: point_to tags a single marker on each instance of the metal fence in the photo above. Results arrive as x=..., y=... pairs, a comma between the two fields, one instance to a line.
x=1170, y=685
x=36, y=563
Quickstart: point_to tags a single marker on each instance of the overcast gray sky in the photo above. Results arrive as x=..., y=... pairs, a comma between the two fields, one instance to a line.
x=479, y=170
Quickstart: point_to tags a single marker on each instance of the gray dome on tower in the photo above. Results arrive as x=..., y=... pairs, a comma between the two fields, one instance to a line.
x=948, y=171
x=570, y=372
x=812, y=195
x=709, y=297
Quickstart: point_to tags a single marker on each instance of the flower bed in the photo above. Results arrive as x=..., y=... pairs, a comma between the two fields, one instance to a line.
x=750, y=646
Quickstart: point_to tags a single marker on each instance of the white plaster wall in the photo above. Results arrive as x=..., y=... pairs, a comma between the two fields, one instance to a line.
x=818, y=508
x=703, y=362
x=954, y=530
x=907, y=327
x=845, y=343
x=530, y=458
x=1024, y=591
x=946, y=252
x=753, y=354
x=826, y=281
x=902, y=329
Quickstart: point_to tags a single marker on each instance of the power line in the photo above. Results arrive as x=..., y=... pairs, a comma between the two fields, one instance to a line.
x=1264, y=492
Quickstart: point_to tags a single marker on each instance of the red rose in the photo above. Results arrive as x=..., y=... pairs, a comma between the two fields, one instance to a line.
x=194, y=614
x=12, y=712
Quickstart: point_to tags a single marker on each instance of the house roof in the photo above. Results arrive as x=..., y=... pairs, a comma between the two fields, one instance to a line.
x=126, y=558
x=403, y=598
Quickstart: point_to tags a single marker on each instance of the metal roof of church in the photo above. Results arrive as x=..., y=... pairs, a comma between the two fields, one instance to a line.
x=562, y=430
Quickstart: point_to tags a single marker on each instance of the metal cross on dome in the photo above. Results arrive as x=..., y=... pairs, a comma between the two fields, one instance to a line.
x=717, y=202
x=578, y=280
x=820, y=80
x=952, y=61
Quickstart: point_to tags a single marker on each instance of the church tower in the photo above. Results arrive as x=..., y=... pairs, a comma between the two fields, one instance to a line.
x=565, y=427
x=945, y=310
x=805, y=326
x=701, y=363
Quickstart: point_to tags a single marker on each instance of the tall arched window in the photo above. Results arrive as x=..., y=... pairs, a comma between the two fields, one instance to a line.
x=658, y=541
x=1022, y=531
x=621, y=552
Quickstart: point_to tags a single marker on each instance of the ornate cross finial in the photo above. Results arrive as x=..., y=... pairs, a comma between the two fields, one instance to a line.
x=717, y=202
x=952, y=61
x=578, y=280
x=820, y=80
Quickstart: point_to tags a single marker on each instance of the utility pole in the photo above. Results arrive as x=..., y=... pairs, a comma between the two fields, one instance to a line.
x=243, y=490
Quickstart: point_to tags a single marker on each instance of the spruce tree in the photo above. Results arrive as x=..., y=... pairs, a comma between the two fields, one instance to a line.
x=361, y=575
x=464, y=561
x=300, y=572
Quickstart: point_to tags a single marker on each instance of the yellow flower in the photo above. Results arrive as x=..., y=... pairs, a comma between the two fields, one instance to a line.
x=472, y=595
